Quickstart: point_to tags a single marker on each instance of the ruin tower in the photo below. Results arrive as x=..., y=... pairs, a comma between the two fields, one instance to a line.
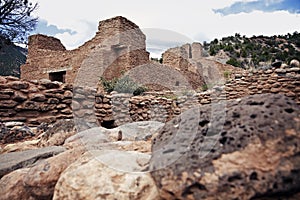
x=118, y=46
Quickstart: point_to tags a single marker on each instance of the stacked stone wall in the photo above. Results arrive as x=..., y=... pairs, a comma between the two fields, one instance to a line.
x=35, y=102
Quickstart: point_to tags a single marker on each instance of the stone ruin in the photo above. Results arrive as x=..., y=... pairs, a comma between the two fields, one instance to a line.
x=118, y=46
x=255, y=154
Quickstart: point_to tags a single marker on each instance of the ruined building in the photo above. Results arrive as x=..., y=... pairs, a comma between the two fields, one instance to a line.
x=118, y=46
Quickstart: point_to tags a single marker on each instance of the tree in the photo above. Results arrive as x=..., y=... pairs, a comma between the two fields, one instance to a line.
x=16, y=19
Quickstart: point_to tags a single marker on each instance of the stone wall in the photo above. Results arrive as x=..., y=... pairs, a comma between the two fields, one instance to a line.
x=34, y=102
x=119, y=45
x=44, y=101
x=190, y=60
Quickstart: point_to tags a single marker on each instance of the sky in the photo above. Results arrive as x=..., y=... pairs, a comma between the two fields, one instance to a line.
x=169, y=23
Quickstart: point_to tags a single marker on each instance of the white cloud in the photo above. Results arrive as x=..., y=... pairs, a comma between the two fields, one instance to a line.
x=194, y=19
x=84, y=32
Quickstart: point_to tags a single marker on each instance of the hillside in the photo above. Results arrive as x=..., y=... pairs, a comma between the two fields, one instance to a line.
x=257, y=51
x=11, y=58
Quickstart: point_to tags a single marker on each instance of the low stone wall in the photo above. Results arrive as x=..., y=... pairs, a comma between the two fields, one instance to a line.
x=44, y=101
x=165, y=105
x=34, y=102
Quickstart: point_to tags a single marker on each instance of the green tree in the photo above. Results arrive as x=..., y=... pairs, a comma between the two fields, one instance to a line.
x=234, y=62
x=16, y=19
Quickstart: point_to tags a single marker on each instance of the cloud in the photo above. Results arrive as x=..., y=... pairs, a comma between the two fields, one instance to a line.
x=291, y=6
x=159, y=40
x=85, y=31
x=43, y=27
x=194, y=19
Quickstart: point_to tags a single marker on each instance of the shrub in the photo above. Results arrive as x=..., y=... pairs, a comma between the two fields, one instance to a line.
x=227, y=74
x=122, y=85
x=233, y=62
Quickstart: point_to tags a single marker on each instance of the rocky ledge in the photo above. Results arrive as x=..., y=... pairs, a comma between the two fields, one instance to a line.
x=242, y=149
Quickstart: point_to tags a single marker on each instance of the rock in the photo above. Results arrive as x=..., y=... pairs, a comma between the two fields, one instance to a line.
x=20, y=146
x=48, y=84
x=8, y=104
x=246, y=149
x=40, y=180
x=37, y=97
x=57, y=133
x=19, y=97
x=12, y=186
x=136, y=131
x=280, y=71
x=295, y=63
x=12, y=124
x=18, y=85
x=2, y=80
x=3, y=131
x=16, y=134
x=276, y=64
x=89, y=178
x=89, y=138
x=16, y=160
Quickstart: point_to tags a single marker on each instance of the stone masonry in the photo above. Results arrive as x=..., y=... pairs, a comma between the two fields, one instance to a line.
x=189, y=59
x=35, y=102
x=118, y=46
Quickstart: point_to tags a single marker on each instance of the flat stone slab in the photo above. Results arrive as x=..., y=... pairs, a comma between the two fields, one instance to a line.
x=136, y=131
x=16, y=160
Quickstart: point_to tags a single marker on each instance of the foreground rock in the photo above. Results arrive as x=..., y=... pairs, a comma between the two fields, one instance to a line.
x=94, y=137
x=12, y=186
x=255, y=155
x=16, y=160
x=90, y=178
x=41, y=179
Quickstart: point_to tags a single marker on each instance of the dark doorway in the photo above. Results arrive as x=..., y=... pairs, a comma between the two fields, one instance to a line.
x=58, y=76
x=109, y=124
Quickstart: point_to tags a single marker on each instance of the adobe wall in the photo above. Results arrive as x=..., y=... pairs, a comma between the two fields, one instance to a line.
x=189, y=59
x=119, y=45
x=35, y=102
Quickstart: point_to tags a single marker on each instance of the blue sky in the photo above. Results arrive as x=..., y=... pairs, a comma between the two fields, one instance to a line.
x=74, y=22
x=292, y=6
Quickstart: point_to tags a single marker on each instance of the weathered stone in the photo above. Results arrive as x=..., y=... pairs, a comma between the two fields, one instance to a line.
x=66, y=111
x=2, y=80
x=282, y=71
x=97, y=180
x=68, y=94
x=48, y=84
x=8, y=104
x=139, y=130
x=12, y=186
x=16, y=160
x=295, y=63
x=95, y=137
x=53, y=101
x=75, y=105
x=18, y=85
x=245, y=149
x=37, y=97
x=57, y=133
x=20, y=146
x=4, y=96
x=19, y=97
x=40, y=180
x=61, y=106
x=12, y=124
